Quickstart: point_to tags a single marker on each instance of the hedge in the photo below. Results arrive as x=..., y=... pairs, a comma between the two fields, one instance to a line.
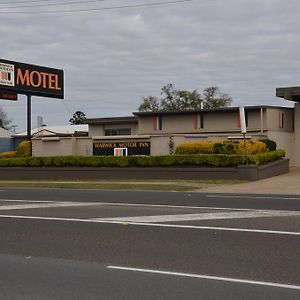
x=211, y=160
x=224, y=147
x=8, y=154
x=270, y=144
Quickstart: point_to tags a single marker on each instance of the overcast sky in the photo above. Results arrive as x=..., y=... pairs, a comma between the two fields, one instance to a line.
x=113, y=58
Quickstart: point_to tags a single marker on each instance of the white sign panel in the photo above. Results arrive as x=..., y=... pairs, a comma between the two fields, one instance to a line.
x=243, y=120
x=7, y=74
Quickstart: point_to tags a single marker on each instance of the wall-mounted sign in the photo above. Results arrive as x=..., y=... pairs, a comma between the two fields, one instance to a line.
x=31, y=80
x=114, y=148
x=8, y=95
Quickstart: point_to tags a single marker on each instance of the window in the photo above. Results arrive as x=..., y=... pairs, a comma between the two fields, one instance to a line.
x=281, y=120
x=198, y=120
x=157, y=123
x=119, y=131
x=120, y=151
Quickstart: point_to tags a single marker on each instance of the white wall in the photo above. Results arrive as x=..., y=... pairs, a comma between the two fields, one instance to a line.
x=286, y=142
x=297, y=135
x=62, y=147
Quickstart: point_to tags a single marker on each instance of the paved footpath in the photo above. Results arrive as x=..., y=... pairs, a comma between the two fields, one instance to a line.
x=286, y=184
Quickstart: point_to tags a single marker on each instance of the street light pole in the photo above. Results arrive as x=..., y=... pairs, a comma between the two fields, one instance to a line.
x=28, y=117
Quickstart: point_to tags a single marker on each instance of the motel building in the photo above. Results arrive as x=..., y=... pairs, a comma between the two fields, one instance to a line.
x=159, y=133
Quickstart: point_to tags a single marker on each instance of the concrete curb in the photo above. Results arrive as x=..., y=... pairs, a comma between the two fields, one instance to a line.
x=248, y=173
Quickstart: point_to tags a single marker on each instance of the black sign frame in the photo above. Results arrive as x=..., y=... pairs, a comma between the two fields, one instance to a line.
x=31, y=79
x=133, y=147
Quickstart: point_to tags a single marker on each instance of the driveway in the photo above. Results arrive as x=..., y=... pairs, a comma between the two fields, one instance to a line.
x=286, y=184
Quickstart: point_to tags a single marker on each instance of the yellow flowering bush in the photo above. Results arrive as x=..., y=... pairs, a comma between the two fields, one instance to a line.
x=224, y=147
x=252, y=147
x=24, y=149
x=8, y=154
x=195, y=148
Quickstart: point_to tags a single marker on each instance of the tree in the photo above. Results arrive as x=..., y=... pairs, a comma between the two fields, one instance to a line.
x=213, y=98
x=172, y=100
x=178, y=100
x=5, y=122
x=150, y=103
x=175, y=100
x=78, y=118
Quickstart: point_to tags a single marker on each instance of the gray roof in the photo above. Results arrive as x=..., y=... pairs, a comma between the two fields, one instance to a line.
x=212, y=110
x=113, y=120
x=289, y=93
x=59, y=130
x=5, y=133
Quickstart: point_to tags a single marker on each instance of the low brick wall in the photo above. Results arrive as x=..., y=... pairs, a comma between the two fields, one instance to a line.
x=249, y=173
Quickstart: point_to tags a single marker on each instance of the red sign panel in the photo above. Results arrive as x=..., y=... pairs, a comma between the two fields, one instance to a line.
x=8, y=95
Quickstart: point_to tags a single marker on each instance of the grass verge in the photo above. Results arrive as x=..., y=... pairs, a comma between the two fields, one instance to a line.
x=100, y=186
x=164, y=185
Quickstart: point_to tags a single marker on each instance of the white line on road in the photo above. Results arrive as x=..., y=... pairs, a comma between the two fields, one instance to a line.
x=232, y=229
x=41, y=205
x=204, y=216
x=227, y=279
x=252, y=197
x=150, y=205
x=138, y=205
x=27, y=201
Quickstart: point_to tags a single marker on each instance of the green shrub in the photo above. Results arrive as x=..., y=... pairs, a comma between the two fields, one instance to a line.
x=24, y=149
x=225, y=147
x=207, y=160
x=261, y=158
x=270, y=144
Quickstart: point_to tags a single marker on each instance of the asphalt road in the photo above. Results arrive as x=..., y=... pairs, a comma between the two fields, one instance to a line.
x=81, y=244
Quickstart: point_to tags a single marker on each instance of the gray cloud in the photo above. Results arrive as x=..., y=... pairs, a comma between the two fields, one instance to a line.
x=114, y=58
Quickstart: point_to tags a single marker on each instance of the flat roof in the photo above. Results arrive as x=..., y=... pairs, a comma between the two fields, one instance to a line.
x=112, y=120
x=212, y=110
x=289, y=93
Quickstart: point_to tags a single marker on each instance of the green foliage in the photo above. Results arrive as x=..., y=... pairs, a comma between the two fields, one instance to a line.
x=24, y=149
x=225, y=147
x=150, y=103
x=206, y=160
x=78, y=118
x=213, y=98
x=261, y=158
x=228, y=148
x=270, y=144
x=5, y=122
x=177, y=100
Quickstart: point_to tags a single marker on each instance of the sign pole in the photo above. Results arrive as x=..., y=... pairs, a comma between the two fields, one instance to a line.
x=243, y=129
x=28, y=117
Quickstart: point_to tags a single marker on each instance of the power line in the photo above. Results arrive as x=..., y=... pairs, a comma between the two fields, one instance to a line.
x=97, y=9
x=54, y=4
x=31, y=1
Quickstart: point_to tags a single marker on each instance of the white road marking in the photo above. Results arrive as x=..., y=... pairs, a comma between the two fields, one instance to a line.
x=137, y=205
x=27, y=201
x=203, y=216
x=41, y=205
x=207, y=277
x=252, y=197
x=171, y=226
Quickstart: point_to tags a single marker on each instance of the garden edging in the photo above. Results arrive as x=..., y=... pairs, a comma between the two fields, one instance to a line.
x=243, y=172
